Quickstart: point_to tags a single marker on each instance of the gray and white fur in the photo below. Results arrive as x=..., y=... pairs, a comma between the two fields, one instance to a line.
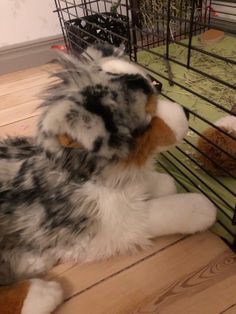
x=60, y=204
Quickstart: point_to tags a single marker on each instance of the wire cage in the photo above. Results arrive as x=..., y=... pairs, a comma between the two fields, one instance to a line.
x=169, y=39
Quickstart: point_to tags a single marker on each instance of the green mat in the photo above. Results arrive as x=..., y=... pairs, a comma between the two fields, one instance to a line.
x=189, y=174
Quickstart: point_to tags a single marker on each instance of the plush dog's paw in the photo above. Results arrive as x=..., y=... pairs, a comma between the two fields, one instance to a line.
x=43, y=297
x=203, y=214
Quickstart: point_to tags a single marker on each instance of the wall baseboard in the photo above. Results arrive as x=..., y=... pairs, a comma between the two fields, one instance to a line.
x=29, y=54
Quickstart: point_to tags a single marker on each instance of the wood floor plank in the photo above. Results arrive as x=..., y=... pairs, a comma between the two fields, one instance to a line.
x=21, y=112
x=206, y=289
x=230, y=310
x=21, y=97
x=19, y=75
x=134, y=289
x=22, y=74
x=26, y=127
x=59, y=270
x=82, y=276
x=42, y=78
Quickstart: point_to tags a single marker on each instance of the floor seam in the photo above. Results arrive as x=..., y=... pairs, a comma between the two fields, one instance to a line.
x=228, y=308
x=125, y=268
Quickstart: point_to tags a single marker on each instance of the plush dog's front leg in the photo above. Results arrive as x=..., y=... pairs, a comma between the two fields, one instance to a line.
x=180, y=213
x=33, y=296
x=160, y=184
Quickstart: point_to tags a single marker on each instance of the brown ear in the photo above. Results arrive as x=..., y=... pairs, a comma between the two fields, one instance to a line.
x=12, y=297
x=158, y=134
x=66, y=141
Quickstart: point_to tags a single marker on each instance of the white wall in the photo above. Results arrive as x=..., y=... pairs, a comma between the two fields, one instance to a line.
x=25, y=20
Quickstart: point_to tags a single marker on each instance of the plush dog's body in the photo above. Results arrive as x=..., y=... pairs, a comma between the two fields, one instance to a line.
x=98, y=196
x=46, y=217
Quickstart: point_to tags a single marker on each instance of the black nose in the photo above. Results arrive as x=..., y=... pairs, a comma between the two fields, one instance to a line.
x=186, y=113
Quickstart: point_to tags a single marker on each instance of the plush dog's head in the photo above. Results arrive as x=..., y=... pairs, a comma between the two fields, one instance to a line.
x=107, y=107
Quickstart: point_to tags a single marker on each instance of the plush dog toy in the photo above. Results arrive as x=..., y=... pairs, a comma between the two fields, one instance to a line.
x=219, y=148
x=85, y=188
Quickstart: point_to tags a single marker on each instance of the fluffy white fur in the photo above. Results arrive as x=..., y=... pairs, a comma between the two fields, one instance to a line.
x=138, y=212
x=120, y=66
x=43, y=297
x=174, y=117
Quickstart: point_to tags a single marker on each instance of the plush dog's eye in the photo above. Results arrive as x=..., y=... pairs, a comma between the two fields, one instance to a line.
x=97, y=144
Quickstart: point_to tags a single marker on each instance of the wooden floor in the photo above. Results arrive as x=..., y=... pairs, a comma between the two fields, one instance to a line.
x=179, y=275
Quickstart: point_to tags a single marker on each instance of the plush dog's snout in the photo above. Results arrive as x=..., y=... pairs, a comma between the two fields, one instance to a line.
x=186, y=113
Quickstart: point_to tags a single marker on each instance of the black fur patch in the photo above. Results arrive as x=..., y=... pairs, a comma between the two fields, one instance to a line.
x=86, y=118
x=114, y=95
x=106, y=50
x=78, y=164
x=49, y=154
x=97, y=144
x=18, y=148
x=72, y=116
x=20, y=197
x=135, y=82
x=117, y=140
x=18, y=141
x=93, y=103
x=4, y=153
x=140, y=130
